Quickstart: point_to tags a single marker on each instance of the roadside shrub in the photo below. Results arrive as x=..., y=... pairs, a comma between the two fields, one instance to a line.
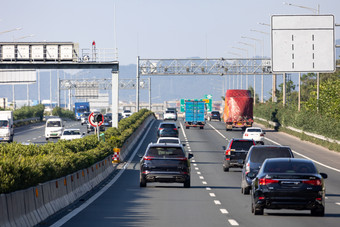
x=24, y=166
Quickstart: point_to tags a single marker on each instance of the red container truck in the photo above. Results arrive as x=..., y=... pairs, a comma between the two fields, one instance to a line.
x=238, y=109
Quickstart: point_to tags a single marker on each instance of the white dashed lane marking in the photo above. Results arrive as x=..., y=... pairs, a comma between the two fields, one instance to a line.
x=208, y=189
x=224, y=211
x=233, y=222
x=212, y=194
x=201, y=177
x=217, y=202
x=204, y=182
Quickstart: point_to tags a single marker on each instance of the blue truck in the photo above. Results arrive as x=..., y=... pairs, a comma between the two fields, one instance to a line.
x=194, y=114
x=80, y=108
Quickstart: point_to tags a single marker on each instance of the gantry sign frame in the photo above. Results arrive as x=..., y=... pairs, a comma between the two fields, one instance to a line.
x=74, y=62
x=201, y=66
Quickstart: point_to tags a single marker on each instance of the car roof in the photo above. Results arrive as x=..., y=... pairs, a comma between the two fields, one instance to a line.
x=242, y=140
x=254, y=128
x=72, y=129
x=167, y=123
x=295, y=160
x=165, y=145
x=271, y=146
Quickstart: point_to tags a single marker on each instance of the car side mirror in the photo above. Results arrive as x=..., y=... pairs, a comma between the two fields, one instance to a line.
x=224, y=148
x=83, y=133
x=190, y=155
x=324, y=175
x=251, y=175
x=183, y=144
x=264, y=132
x=140, y=155
x=178, y=127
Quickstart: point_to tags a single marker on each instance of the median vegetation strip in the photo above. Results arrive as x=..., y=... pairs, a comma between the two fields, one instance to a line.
x=24, y=166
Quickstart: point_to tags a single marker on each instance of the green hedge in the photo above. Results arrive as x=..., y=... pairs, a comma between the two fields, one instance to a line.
x=57, y=111
x=29, y=112
x=24, y=166
x=304, y=120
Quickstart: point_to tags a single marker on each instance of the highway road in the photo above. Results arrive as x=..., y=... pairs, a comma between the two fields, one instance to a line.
x=36, y=133
x=214, y=198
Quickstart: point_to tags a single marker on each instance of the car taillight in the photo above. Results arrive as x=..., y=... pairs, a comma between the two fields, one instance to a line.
x=148, y=158
x=265, y=181
x=227, y=152
x=161, y=129
x=246, y=134
x=175, y=129
x=315, y=182
x=261, y=134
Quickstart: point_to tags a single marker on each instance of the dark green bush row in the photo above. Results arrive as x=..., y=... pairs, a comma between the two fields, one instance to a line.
x=24, y=166
x=57, y=111
x=304, y=120
x=29, y=112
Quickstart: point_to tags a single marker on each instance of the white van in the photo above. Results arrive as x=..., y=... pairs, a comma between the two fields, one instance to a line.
x=54, y=128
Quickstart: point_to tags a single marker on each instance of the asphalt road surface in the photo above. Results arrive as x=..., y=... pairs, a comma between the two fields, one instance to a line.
x=214, y=198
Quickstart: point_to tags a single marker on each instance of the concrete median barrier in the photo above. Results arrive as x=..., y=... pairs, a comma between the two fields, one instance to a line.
x=39, y=202
x=4, y=221
x=33, y=205
x=30, y=209
x=16, y=209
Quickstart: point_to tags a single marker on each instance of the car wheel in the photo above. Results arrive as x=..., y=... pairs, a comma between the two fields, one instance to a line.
x=258, y=211
x=187, y=127
x=187, y=183
x=252, y=207
x=46, y=138
x=318, y=212
x=201, y=127
x=246, y=190
x=142, y=182
x=225, y=169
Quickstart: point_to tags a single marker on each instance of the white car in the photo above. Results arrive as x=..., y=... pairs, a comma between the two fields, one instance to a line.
x=255, y=133
x=54, y=128
x=173, y=140
x=126, y=113
x=71, y=134
x=170, y=115
x=168, y=140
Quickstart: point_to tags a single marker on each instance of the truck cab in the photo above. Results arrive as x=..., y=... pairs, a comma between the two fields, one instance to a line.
x=6, y=126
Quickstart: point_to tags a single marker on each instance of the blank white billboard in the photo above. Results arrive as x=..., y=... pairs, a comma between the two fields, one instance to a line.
x=303, y=43
x=16, y=76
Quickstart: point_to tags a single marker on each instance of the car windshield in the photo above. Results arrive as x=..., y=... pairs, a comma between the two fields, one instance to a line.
x=167, y=126
x=73, y=132
x=289, y=167
x=254, y=130
x=54, y=124
x=168, y=141
x=241, y=145
x=217, y=113
x=259, y=154
x=165, y=152
x=3, y=123
x=170, y=111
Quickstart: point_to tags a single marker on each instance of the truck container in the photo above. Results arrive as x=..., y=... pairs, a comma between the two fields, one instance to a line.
x=194, y=114
x=238, y=109
x=6, y=126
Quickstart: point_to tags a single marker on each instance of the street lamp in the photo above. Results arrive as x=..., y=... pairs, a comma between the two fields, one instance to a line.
x=266, y=33
x=316, y=11
x=15, y=29
x=23, y=37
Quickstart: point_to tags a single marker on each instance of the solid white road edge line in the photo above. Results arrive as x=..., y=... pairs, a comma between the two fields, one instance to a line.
x=304, y=156
x=94, y=197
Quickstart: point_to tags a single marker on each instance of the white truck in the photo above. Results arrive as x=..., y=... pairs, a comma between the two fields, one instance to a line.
x=6, y=126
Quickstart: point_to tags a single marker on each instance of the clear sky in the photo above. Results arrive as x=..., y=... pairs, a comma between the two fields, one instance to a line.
x=153, y=28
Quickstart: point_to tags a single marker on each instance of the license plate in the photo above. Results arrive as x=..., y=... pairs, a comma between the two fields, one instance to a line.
x=54, y=134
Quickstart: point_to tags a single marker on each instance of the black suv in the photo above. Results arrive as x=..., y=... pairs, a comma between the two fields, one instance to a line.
x=166, y=129
x=256, y=157
x=214, y=115
x=236, y=152
x=165, y=163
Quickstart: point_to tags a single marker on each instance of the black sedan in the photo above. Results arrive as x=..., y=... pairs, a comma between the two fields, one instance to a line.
x=288, y=183
x=166, y=129
x=165, y=163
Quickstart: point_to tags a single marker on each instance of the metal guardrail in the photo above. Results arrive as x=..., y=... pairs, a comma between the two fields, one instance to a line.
x=27, y=119
x=275, y=124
